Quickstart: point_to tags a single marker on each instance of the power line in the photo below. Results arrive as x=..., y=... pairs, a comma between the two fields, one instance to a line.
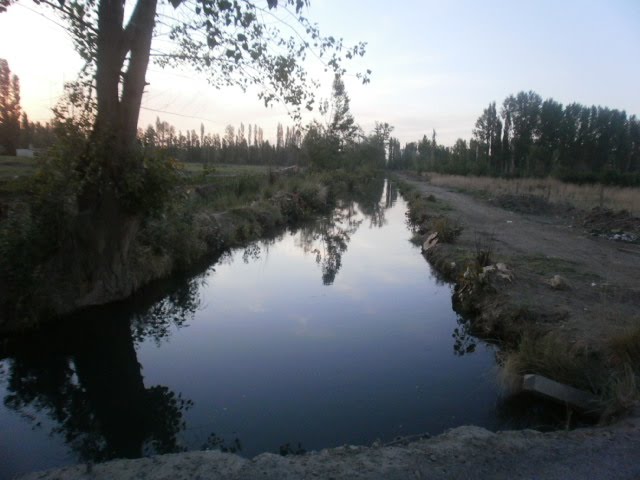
x=180, y=115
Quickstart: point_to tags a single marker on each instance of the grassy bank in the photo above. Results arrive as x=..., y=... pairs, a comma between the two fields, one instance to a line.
x=209, y=210
x=497, y=294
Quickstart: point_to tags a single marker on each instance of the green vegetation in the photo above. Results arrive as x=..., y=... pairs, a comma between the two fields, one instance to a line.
x=9, y=109
x=172, y=214
x=447, y=230
x=529, y=137
x=109, y=208
x=206, y=170
x=190, y=217
x=334, y=141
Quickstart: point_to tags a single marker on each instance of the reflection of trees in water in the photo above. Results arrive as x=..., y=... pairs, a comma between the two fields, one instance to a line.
x=215, y=442
x=374, y=198
x=88, y=381
x=329, y=237
x=391, y=195
x=251, y=253
x=173, y=311
x=464, y=341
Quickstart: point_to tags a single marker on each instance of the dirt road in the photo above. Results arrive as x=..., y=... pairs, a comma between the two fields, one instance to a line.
x=602, y=275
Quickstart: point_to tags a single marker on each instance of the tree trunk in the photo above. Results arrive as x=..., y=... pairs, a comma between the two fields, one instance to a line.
x=105, y=229
x=116, y=123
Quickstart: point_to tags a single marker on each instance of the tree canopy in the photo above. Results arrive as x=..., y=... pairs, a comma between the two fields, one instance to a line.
x=529, y=136
x=231, y=42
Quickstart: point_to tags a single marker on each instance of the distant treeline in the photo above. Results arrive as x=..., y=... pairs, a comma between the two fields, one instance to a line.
x=242, y=145
x=525, y=137
x=529, y=137
x=338, y=144
x=30, y=135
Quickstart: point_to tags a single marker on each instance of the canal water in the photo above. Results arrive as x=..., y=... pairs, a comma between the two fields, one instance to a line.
x=334, y=333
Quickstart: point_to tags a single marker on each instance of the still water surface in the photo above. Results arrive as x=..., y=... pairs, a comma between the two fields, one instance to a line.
x=336, y=333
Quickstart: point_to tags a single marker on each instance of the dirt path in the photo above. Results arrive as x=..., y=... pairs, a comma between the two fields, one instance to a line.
x=603, y=276
x=462, y=453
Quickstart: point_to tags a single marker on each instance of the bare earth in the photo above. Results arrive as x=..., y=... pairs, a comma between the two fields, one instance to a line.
x=603, y=275
x=462, y=453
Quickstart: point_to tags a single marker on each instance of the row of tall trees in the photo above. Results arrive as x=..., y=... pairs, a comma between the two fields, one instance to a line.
x=334, y=142
x=426, y=154
x=35, y=134
x=529, y=136
x=337, y=141
x=242, y=145
x=16, y=131
x=10, y=111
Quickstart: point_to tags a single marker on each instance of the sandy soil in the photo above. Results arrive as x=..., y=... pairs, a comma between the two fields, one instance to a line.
x=603, y=276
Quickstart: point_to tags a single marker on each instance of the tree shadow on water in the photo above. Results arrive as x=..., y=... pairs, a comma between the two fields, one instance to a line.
x=172, y=312
x=87, y=380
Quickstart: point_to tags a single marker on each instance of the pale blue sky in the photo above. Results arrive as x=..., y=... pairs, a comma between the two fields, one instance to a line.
x=436, y=64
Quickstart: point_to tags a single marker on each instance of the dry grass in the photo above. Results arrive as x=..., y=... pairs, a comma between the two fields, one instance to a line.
x=625, y=347
x=552, y=357
x=580, y=196
x=615, y=378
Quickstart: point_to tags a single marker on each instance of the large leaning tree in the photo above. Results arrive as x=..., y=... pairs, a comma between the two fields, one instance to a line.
x=262, y=44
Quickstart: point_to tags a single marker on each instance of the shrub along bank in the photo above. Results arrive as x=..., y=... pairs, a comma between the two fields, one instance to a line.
x=206, y=214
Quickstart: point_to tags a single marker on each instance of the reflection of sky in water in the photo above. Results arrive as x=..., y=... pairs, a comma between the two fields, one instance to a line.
x=276, y=356
x=29, y=429
x=276, y=345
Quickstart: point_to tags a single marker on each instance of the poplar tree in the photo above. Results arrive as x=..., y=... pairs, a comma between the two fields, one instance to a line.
x=10, y=111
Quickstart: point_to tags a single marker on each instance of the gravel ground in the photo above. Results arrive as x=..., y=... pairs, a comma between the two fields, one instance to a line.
x=462, y=453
